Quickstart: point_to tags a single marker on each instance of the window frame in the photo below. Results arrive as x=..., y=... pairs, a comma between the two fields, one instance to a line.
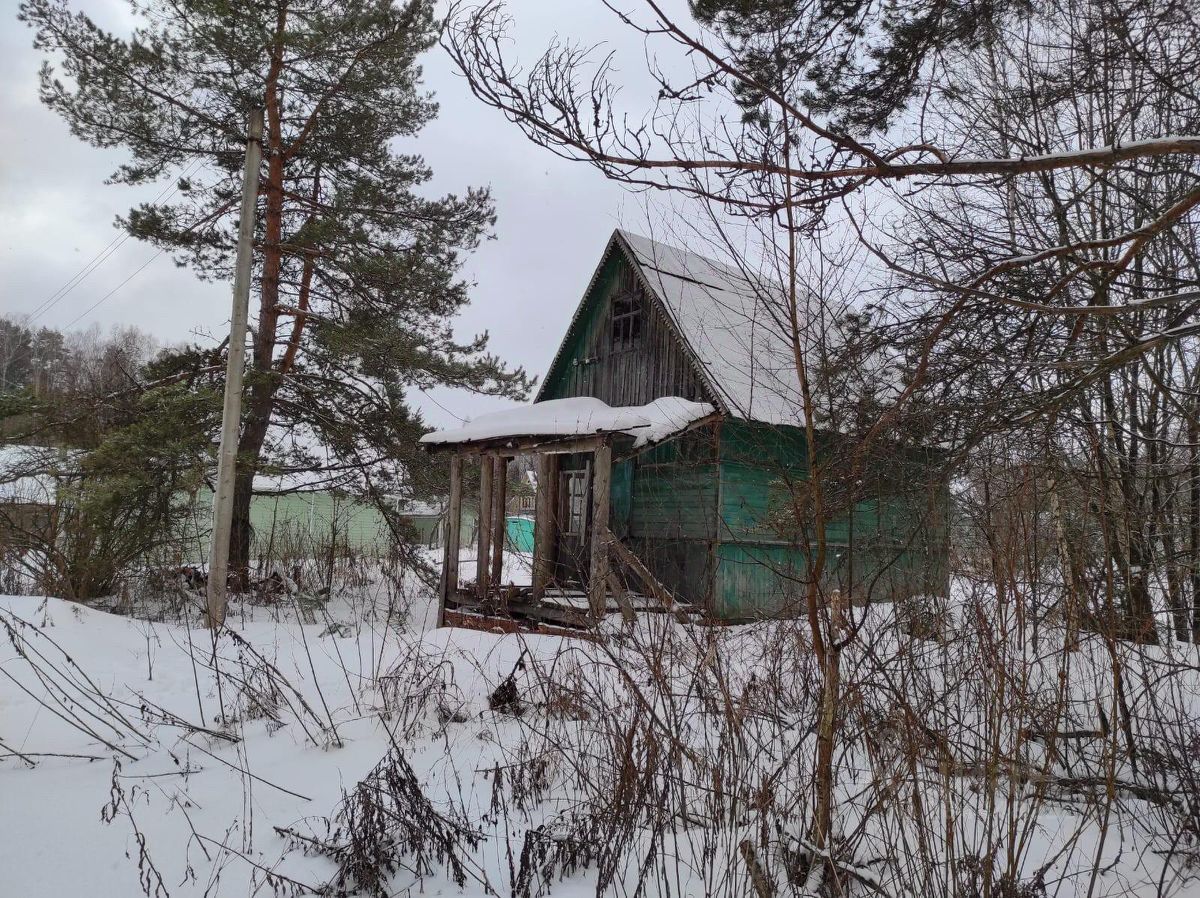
x=574, y=516
x=625, y=324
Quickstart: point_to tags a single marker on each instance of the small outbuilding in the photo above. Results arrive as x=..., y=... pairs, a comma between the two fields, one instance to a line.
x=671, y=465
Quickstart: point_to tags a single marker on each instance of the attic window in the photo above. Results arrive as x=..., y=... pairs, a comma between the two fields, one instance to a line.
x=626, y=321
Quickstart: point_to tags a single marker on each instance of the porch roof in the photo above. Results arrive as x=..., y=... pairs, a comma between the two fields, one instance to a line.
x=573, y=419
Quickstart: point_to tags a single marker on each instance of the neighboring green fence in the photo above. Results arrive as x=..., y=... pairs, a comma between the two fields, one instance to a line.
x=296, y=522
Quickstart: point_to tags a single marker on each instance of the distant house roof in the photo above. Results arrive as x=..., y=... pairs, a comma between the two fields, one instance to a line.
x=418, y=509
x=32, y=473
x=729, y=322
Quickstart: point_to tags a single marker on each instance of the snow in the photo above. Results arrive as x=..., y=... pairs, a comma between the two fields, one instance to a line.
x=213, y=774
x=28, y=473
x=207, y=806
x=577, y=417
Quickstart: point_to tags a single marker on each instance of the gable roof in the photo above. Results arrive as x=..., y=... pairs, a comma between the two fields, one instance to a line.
x=722, y=319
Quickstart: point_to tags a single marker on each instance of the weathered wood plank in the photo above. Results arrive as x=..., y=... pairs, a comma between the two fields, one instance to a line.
x=483, y=549
x=649, y=581
x=658, y=364
x=601, y=480
x=468, y=620
x=619, y=593
x=545, y=524
x=452, y=540
x=499, y=490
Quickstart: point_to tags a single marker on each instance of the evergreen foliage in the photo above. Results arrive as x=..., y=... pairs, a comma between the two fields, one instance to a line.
x=861, y=59
x=356, y=266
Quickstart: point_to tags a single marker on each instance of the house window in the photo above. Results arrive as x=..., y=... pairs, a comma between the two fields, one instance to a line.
x=626, y=321
x=576, y=493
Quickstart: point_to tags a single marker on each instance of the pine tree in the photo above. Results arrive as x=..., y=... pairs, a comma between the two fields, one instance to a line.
x=859, y=61
x=356, y=269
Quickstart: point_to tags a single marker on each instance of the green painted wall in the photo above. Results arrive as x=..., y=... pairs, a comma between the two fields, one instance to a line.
x=885, y=546
x=621, y=498
x=673, y=513
x=756, y=580
x=708, y=512
x=674, y=502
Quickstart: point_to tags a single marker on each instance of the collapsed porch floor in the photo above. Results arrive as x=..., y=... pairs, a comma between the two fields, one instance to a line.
x=511, y=606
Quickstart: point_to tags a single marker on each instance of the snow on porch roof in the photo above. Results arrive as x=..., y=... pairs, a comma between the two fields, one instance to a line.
x=579, y=416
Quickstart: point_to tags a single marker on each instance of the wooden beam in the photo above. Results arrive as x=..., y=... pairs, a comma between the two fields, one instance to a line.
x=451, y=537
x=499, y=489
x=519, y=445
x=601, y=481
x=472, y=621
x=628, y=614
x=649, y=581
x=483, y=549
x=545, y=524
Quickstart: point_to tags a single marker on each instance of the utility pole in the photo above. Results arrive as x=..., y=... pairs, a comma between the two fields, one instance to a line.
x=231, y=414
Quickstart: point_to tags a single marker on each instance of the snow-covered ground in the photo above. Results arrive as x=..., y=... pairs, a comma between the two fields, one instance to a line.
x=666, y=758
x=96, y=708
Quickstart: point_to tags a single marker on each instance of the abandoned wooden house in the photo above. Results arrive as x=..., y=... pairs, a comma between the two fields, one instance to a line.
x=669, y=452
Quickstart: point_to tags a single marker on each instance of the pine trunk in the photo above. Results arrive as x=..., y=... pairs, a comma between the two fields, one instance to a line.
x=254, y=435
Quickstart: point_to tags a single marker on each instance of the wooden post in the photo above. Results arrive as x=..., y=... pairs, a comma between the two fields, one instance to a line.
x=601, y=480
x=499, y=523
x=617, y=588
x=452, y=536
x=231, y=413
x=545, y=524
x=483, y=553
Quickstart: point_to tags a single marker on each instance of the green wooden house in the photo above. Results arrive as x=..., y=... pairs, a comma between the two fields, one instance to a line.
x=672, y=465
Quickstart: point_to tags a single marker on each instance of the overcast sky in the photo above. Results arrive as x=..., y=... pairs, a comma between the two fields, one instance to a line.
x=56, y=213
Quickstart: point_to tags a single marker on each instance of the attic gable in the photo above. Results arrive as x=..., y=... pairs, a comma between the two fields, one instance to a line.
x=719, y=318
x=729, y=321
x=621, y=345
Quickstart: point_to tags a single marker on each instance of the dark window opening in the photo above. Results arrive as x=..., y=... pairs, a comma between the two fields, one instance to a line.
x=626, y=321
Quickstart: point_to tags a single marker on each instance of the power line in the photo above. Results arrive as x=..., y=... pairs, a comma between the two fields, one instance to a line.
x=207, y=219
x=425, y=393
x=47, y=304
x=103, y=255
x=103, y=298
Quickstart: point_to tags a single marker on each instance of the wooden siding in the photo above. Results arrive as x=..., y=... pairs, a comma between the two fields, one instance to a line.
x=756, y=581
x=685, y=566
x=887, y=546
x=663, y=506
x=655, y=367
x=675, y=502
x=703, y=511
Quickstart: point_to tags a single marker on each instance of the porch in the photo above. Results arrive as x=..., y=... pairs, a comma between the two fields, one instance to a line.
x=580, y=571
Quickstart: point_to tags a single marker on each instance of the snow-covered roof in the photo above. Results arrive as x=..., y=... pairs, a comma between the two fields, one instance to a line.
x=306, y=481
x=577, y=417
x=31, y=473
x=730, y=325
x=420, y=509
